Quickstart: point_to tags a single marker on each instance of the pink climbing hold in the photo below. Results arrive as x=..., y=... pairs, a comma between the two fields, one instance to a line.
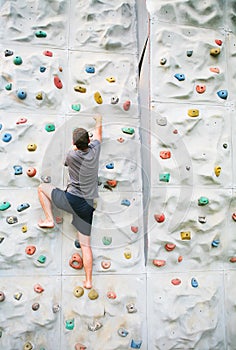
x=126, y=105
x=159, y=217
x=170, y=246
x=21, y=121
x=176, y=281
x=234, y=216
x=58, y=82
x=201, y=89
x=219, y=42
x=165, y=154
x=38, y=288
x=159, y=263
x=233, y=259
x=48, y=53
x=175, y=131
x=215, y=70
x=120, y=139
x=30, y=249
x=134, y=229
x=111, y=295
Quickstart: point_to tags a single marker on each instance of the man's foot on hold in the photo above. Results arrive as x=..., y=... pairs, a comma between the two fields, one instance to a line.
x=87, y=284
x=46, y=224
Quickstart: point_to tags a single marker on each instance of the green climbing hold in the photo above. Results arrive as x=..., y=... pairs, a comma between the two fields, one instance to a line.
x=164, y=177
x=42, y=259
x=203, y=201
x=50, y=127
x=40, y=34
x=17, y=60
x=70, y=324
x=76, y=107
x=106, y=240
x=129, y=131
x=8, y=86
x=4, y=206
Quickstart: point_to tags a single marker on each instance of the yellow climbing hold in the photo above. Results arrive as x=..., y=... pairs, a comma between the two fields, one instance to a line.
x=185, y=235
x=111, y=80
x=24, y=228
x=193, y=113
x=39, y=96
x=98, y=98
x=215, y=51
x=217, y=170
x=79, y=88
x=93, y=294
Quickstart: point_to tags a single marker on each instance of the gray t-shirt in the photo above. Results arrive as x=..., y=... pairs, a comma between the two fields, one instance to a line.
x=83, y=171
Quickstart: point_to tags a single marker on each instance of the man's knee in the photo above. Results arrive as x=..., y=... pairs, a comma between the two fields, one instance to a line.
x=46, y=189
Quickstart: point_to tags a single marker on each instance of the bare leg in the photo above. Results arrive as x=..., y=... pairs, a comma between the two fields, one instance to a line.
x=44, y=194
x=87, y=256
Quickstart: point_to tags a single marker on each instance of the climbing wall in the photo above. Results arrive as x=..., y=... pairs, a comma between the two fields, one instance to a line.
x=61, y=63
x=191, y=221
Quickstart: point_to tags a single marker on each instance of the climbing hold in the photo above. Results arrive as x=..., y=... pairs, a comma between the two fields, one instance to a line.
x=94, y=326
x=233, y=259
x=203, y=201
x=126, y=105
x=79, y=88
x=163, y=61
x=185, y=235
x=131, y=308
x=70, y=324
x=201, y=89
x=165, y=154
x=193, y=113
x=219, y=42
x=134, y=229
x=76, y=107
x=111, y=295
x=187, y=167
x=60, y=69
x=59, y=219
x=125, y=202
x=225, y=146
x=215, y=70
x=22, y=207
x=234, y=216
x=215, y=51
x=90, y=69
x=159, y=217
x=1, y=239
x=217, y=170
x=8, y=86
x=159, y=263
x=50, y=127
x=39, y=96
x=127, y=253
x=180, y=77
x=136, y=344
x=110, y=166
x=42, y=69
x=77, y=244
x=93, y=294
x=58, y=82
x=6, y=137
x=215, y=243
x=40, y=34
x=111, y=80
x=42, y=259
x=180, y=259
x=129, y=131
x=98, y=98
x=194, y=282
x=21, y=121
x=2, y=296
x=106, y=240
x=48, y=53
x=222, y=94
x=18, y=169
x=38, y=288
x=106, y=264
x=164, y=177
x=30, y=249
x=170, y=246
x=32, y=147
x=11, y=220
x=79, y=346
x=189, y=53
x=18, y=295
x=122, y=332
x=78, y=291
x=202, y=219
x=21, y=94
x=28, y=346
x=46, y=178
x=120, y=139
x=24, y=228
x=8, y=53
x=35, y=306
x=111, y=183
x=76, y=261
x=56, y=308
x=17, y=60
x=4, y=205
x=176, y=281
x=175, y=131
x=114, y=100
x=162, y=121
x=31, y=172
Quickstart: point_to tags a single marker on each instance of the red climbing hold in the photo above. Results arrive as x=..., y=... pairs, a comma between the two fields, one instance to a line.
x=219, y=42
x=159, y=217
x=48, y=53
x=58, y=82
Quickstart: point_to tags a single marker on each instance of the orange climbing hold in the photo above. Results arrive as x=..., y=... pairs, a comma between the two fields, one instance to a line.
x=201, y=89
x=112, y=183
x=30, y=249
x=159, y=263
x=215, y=70
x=58, y=82
x=76, y=261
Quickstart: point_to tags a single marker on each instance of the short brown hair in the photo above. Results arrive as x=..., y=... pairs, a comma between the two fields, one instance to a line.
x=80, y=138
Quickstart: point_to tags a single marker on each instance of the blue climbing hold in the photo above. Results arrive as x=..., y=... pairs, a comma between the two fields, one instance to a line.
x=180, y=77
x=7, y=137
x=21, y=94
x=0, y=126
x=222, y=94
x=125, y=202
x=110, y=166
x=90, y=69
x=8, y=87
x=18, y=169
x=77, y=244
x=136, y=344
x=215, y=243
x=8, y=53
x=22, y=207
x=42, y=69
x=194, y=282
x=123, y=332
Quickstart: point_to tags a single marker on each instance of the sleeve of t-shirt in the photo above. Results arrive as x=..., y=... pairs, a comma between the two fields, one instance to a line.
x=95, y=143
x=67, y=158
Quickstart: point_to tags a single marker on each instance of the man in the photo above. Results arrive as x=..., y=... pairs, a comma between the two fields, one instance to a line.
x=82, y=162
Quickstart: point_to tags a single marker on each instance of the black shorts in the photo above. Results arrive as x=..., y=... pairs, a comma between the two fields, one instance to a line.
x=80, y=208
